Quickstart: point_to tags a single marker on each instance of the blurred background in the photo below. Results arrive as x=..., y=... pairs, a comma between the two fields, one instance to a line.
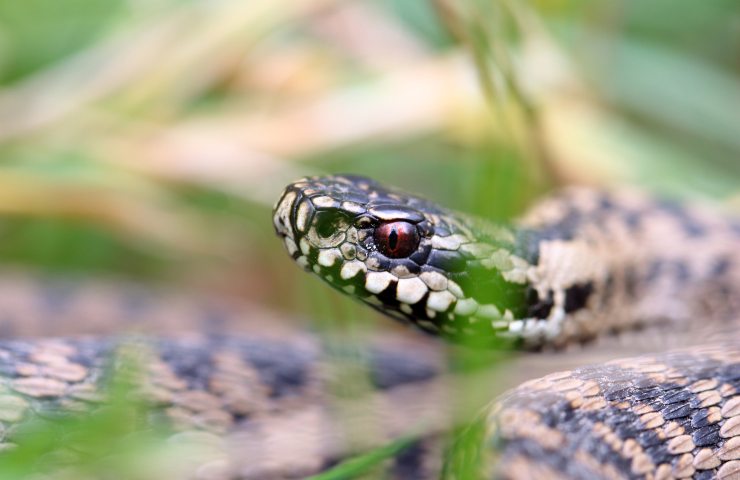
x=147, y=140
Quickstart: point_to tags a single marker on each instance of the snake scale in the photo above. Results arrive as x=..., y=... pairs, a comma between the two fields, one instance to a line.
x=584, y=273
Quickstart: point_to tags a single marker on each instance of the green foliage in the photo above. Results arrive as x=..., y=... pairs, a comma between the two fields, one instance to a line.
x=465, y=459
x=36, y=33
x=62, y=245
x=363, y=464
x=421, y=16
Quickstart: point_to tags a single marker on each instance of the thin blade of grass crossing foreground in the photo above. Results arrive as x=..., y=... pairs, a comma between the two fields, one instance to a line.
x=361, y=464
x=465, y=460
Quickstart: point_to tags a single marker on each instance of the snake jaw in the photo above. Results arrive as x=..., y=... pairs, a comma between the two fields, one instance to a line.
x=451, y=279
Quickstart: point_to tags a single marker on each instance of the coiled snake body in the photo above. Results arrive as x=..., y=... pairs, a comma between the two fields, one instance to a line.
x=597, y=269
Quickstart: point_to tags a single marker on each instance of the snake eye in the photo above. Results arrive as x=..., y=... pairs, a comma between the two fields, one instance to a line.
x=396, y=239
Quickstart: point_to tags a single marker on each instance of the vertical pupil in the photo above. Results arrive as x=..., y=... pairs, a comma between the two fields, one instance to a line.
x=396, y=239
x=393, y=239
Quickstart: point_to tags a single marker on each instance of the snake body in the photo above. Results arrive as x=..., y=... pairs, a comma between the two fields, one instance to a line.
x=232, y=392
x=252, y=399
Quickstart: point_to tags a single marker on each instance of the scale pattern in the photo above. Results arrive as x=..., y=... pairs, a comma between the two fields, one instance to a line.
x=232, y=393
x=669, y=416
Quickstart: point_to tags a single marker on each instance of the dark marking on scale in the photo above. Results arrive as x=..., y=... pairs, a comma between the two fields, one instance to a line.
x=539, y=307
x=576, y=296
x=690, y=225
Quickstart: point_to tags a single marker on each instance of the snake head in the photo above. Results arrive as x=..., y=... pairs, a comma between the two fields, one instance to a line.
x=404, y=256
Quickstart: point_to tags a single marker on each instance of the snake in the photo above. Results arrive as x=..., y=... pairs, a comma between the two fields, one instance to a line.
x=235, y=393
x=580, y=265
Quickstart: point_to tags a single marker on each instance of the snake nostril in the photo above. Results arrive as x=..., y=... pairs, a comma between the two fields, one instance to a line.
x=397, y=239
x=329, y=222
x=325, y=229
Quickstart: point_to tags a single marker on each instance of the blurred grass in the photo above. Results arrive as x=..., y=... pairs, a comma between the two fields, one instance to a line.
x=36, y=33
x=148, y=140
x=362, y=464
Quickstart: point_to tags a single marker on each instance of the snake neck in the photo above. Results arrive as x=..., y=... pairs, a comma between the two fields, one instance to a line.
x=614, y=261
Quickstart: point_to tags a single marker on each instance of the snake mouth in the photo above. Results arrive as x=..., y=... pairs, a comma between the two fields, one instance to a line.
x=283, y=221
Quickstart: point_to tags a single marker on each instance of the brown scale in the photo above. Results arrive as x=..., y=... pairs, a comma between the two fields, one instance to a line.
x=704, y=438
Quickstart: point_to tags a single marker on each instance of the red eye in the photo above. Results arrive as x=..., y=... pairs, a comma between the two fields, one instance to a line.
x=396, y=239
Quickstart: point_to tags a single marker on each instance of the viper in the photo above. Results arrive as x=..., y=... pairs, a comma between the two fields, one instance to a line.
x=580, y=266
